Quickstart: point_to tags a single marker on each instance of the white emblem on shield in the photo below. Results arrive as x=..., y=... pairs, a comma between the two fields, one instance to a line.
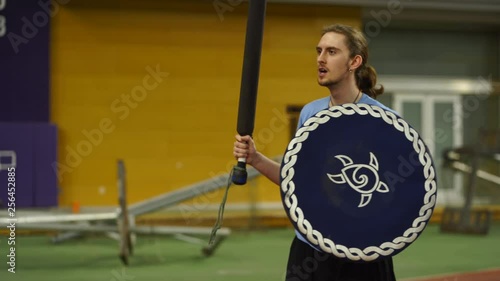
x=359, y=180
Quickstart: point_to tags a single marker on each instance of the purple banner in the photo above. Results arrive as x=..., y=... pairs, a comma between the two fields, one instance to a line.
x=31, y=149
x=24, y=60
x=44, y=176
x=17, y=143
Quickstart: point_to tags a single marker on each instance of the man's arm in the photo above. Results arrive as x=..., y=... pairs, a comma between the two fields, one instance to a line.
x=244, y=147
x=267, y=167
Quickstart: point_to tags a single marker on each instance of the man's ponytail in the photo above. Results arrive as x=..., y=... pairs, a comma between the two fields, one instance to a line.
x=366, y=78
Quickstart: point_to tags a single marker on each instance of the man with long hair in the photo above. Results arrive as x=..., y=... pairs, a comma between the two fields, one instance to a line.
x=342, y=56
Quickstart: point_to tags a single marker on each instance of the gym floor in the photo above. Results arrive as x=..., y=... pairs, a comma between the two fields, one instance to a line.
x=244, y=256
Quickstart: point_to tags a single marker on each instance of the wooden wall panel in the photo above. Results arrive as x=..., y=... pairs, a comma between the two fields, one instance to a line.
x=181, y=131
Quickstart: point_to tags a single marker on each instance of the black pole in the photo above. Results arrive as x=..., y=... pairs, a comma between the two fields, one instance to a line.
x=249, y=80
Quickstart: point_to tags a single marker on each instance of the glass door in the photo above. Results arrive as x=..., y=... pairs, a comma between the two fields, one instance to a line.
x=438, y=119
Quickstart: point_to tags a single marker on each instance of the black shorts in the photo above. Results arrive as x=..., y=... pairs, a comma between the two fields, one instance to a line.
x=308, y=264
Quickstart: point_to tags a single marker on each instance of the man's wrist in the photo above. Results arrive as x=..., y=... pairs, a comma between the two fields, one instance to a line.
x=257, y=159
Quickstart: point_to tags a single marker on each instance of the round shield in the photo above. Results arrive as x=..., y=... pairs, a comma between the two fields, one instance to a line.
x=357, y=181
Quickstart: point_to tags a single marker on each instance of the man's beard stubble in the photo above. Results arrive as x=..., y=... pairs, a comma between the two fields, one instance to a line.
x=329, y=83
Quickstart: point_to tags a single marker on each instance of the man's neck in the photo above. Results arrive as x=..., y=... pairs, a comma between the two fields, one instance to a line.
x=344, y=93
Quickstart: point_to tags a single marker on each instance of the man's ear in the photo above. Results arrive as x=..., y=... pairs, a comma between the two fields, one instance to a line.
x=356, y=62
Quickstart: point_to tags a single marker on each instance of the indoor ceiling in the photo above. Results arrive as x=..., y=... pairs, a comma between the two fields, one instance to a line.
x=446, y=14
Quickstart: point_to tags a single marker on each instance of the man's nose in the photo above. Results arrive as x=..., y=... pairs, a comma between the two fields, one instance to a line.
x=321, y=59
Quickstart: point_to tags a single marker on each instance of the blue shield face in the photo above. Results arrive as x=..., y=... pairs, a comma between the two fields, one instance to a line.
x=358, y=182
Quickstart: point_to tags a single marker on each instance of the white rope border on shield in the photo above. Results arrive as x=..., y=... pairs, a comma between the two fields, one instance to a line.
x=288, y=187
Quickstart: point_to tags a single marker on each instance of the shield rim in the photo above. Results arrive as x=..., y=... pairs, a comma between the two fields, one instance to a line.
x=295, y=213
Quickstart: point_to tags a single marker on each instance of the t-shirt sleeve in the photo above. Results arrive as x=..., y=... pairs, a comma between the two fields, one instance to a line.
x=304, y=115
x=310, y=109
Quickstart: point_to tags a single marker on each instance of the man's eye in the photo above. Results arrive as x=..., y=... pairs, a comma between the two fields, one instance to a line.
x=331, y=52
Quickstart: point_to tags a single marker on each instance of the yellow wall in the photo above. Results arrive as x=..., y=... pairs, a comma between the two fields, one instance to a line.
x=182, y=131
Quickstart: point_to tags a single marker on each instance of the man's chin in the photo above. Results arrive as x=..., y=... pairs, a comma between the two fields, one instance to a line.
x=324, y=83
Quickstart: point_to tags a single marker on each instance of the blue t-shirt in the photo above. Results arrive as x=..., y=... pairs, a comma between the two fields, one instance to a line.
x=316, y=106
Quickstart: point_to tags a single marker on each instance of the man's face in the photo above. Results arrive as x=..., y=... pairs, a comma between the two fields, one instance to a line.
x=332, y=59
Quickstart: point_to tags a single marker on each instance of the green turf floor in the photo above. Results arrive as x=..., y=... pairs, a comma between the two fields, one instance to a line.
x=244, y=256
